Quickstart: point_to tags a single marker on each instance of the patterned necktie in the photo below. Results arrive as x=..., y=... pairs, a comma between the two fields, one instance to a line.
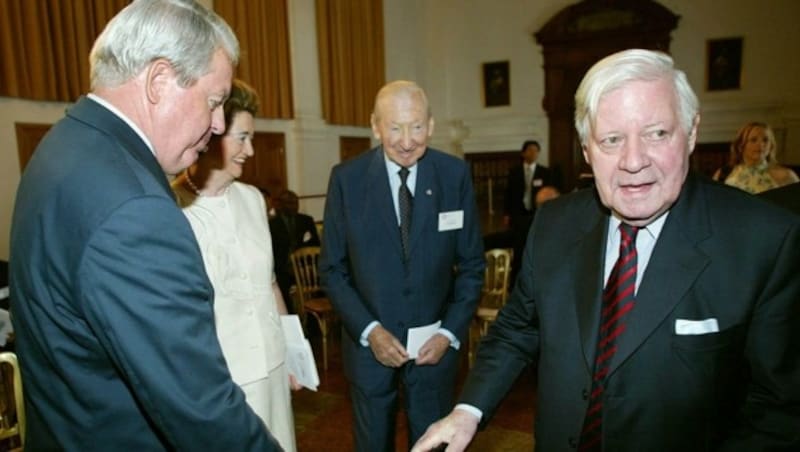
x=618, y=300
x=406, y=202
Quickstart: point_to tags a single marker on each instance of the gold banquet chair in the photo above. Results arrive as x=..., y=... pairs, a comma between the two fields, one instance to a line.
x=310, y=299
x=12, y=421
x=493, y=295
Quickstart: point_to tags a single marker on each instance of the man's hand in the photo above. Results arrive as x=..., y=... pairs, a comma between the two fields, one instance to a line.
x=432, y=350
x=456, y=430
x=386, y=348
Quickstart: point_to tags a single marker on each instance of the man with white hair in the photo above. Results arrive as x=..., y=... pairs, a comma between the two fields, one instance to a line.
x=112, y=306
x=660, y=309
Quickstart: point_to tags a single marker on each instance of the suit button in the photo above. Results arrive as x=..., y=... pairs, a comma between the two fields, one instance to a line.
x=406, y=292
x=585, y=394
x=573, y=443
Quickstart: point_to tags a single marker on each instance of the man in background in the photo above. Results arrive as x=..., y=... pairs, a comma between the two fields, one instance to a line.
x=290, y=230
x=401, y=249
x=524, y=182
x=112, y=306
x=660, y=309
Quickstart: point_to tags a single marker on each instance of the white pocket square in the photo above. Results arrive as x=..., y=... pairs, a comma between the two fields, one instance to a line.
x=685, y=327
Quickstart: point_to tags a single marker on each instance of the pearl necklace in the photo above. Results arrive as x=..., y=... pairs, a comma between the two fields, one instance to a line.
x=192, y=185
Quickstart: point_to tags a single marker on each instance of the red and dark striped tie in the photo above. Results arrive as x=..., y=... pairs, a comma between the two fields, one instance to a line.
x=618, y=300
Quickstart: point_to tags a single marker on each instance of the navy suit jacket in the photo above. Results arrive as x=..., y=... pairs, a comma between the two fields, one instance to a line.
x=722, y=254
x=111, y=303
x=362, y=265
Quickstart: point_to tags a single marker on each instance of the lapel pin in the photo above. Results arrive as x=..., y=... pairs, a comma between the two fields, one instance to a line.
x=429, y=192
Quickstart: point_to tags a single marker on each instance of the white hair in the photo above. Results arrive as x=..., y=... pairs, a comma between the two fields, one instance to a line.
x=614, y=71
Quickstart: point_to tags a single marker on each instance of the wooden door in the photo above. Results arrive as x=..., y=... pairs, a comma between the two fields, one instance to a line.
x=350, y=147
x=572, y=41
x=28, y=137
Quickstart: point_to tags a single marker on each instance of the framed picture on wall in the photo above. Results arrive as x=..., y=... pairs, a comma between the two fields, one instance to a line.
x=724, y=64
x=496, y=84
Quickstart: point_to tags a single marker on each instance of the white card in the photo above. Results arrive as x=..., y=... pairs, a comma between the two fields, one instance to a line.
x=418, y=336
x=449, y=221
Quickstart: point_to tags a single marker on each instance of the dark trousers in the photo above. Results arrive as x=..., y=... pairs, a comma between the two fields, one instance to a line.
x=427, y=394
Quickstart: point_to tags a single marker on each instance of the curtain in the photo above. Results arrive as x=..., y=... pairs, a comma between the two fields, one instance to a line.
x=351, y=58
x=45, y=45
x=263, y=31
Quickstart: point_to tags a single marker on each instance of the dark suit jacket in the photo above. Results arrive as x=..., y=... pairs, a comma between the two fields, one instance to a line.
x=787, y=196
x=362, y=264
x=515, y=190
x=282, y=239
x=112, y=305
x=722, y=254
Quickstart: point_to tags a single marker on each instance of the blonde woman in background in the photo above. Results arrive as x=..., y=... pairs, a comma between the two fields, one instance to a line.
x=230, y=222
x=753, y=167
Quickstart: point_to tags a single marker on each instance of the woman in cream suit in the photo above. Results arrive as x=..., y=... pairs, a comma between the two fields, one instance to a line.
x=230, y=222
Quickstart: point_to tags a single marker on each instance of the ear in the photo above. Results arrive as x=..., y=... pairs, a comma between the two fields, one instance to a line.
x=586, y=154
x=376, y=132
x=158, y=78
x=693, y=133
x=430, y=126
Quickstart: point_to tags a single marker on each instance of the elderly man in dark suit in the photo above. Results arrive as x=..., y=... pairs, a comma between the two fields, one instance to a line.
x=112, y=306
x=402, y=249
x=661, y=309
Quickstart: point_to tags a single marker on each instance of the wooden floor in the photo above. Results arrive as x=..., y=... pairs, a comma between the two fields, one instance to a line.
x=323, y=419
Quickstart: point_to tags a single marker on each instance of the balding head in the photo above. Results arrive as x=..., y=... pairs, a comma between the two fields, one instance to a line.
x=402, y=121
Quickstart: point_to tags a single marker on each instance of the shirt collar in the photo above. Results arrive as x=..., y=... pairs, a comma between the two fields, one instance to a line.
x=107, y=105
x=653, y=229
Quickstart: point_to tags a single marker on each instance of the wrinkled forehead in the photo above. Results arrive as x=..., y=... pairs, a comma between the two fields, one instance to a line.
x=402, y=104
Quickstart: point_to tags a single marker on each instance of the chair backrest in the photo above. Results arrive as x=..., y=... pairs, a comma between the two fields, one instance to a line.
x=305, y=263
x=12, y=423
x=496, y=277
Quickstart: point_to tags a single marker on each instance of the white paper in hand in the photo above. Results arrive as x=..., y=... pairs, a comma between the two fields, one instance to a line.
x=299, y=356
x=418, y=336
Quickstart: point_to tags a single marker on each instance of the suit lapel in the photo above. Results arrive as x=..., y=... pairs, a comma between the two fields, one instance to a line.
x=426, y=192
x=674, y=265
x=379, y=198
x=589, y=283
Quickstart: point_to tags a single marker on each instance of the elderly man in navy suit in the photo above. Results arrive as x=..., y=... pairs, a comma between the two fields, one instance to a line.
x=661, y=309
x=402, y=249
x=111, y=303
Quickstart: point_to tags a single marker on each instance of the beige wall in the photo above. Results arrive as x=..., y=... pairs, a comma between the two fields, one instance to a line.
x=442, y=44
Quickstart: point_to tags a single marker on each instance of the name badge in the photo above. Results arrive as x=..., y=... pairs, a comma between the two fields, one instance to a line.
x=538, y=182
x=452, y=220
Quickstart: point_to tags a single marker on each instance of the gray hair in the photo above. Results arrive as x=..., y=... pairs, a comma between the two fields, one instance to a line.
x=614, y=71
x=183, y=32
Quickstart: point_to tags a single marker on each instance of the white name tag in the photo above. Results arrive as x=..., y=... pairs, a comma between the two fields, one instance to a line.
x=538, y=182
x=452, y=220
x=696, y=327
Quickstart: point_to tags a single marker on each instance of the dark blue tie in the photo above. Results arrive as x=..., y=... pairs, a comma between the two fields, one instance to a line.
x=406, y=202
